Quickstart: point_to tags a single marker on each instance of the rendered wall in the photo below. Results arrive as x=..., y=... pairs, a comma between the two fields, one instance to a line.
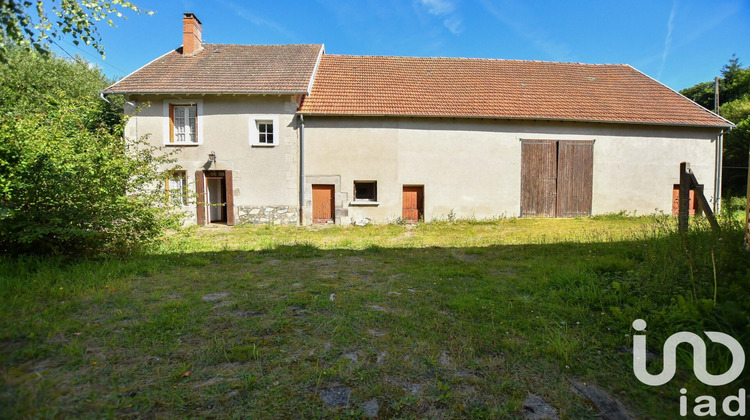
x=472, y=168
x=263, y=177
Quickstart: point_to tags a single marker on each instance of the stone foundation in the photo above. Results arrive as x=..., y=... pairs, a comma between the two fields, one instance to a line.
x=267, y=215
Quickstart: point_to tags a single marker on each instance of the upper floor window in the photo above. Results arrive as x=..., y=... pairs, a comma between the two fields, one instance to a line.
x=264, y=130
x=184, y=122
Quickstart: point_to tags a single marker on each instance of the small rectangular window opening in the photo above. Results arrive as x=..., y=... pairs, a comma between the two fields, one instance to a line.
x=265, y=132
x=365, y=191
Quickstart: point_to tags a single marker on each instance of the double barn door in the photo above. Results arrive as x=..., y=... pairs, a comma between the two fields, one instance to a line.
x=556, y=178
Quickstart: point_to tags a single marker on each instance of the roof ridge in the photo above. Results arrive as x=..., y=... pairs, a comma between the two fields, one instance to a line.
x=480, y=59
x=263, y=45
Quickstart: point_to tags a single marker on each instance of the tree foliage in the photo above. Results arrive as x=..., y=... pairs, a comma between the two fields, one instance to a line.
x=69, y=182
x=734, y=101
x=34, y=23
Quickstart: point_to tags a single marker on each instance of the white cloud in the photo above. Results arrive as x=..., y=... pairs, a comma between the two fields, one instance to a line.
x=668, y=39
x=447, y=9
x=438, y=7
x=454, y=24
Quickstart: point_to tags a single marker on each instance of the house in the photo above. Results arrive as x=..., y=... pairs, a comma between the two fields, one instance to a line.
x=288, y=134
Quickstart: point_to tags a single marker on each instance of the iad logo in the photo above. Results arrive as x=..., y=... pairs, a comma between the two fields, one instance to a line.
x=708, y=406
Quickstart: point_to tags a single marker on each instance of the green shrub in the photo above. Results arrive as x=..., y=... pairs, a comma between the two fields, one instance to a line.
x=70, y=184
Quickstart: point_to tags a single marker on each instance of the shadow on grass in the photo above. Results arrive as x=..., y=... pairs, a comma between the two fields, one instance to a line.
x=472, y=329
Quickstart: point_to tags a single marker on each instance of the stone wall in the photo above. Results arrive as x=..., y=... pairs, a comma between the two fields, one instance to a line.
x=265, y=215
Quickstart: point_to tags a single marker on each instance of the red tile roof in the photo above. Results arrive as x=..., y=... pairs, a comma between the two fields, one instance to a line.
x=484, y=88
x=221, y=68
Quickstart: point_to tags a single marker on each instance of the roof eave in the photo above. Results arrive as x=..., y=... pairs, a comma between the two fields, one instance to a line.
x=200, y=92
x=531, y=118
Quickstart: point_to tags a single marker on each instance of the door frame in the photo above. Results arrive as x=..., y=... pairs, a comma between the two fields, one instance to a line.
x=227, y=196
x=332, y=189
x=420, y=202
x=222, y=201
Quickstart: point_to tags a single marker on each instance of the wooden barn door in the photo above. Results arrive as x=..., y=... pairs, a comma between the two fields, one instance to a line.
x=538, y=178
x=575, y=172
x=413, y=203
x=556, y=178
x=323, y=205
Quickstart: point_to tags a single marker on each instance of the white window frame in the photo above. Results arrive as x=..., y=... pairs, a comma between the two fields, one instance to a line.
x=365, y=201
x=199, y=121
x=181, y=175
x=255, y=135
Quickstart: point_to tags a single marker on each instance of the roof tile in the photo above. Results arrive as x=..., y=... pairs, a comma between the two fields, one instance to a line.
x=222, y=68
x=485, y=88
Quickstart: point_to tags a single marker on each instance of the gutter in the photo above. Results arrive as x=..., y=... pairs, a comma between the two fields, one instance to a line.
x=531, y=118
x=301, y=167
x=103, y=98
x=206, y=92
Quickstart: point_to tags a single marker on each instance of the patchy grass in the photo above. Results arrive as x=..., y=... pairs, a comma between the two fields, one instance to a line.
x=448, y=319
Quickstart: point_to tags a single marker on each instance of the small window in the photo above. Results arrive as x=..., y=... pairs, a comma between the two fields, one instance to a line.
x=176, y=188
x=365, y=191
x=265, y=132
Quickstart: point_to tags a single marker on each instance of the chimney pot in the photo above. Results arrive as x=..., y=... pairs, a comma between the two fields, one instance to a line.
x=191, y=35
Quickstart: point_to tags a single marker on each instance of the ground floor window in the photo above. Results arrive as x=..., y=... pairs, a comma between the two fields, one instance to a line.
x=176, y=188
x=365, y=191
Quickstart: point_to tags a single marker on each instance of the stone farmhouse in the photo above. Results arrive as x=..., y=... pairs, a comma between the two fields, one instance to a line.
x=289, y=134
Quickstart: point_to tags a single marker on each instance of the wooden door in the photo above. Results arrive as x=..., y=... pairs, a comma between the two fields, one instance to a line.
x=229, y=197
x=538, y=178
x=676, y=201
x=322, y=201
x=575, y=171
x=200, y=192
x=413, y=203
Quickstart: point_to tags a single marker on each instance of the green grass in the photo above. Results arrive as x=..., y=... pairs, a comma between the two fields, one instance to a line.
x=449, y=319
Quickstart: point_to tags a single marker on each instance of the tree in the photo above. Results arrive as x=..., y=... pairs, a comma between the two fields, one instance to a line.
x=32, y=24
x=69, y=181
x=734, y=100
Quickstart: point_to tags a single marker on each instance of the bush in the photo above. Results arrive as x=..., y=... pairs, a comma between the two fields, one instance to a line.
x=70, y=184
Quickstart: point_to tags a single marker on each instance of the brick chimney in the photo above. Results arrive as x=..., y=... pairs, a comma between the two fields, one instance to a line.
x=191, y=35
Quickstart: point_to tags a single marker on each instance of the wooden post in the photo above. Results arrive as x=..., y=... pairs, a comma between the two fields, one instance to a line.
x=703, y=202
x=683, y=214
x=747, y=213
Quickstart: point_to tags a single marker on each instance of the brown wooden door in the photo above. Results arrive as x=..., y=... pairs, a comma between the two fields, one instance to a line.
x=322, y=201
x=200, y=192
x=538, y=178
x=575, y=171
x=676, y=201
x=229, y=197
x=413, y=203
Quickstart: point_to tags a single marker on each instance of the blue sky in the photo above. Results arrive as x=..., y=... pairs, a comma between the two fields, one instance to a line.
x=677, y=42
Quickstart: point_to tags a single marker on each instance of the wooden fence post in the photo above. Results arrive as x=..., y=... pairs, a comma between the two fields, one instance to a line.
x=747, y=213
x=683, y=214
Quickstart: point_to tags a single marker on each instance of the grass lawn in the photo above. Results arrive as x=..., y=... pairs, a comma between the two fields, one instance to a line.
x=438, y=320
